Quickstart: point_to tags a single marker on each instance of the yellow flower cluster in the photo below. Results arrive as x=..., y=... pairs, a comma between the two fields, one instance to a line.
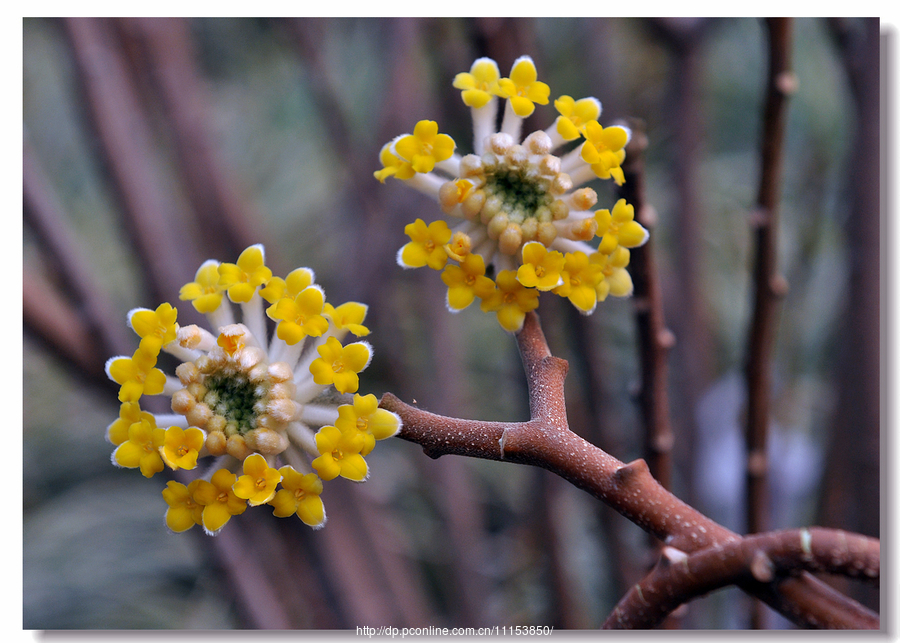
x=521, y=222
x=249, y=401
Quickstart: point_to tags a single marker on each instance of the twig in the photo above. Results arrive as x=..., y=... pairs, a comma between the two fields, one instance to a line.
x=680, y=577
x=56, y=322
x=225, y=216
x=851, y=479
x=44, y=213
x=685, y=40
x=654, y=338
x=545, y=441
x=126, y=143
x=769, y=285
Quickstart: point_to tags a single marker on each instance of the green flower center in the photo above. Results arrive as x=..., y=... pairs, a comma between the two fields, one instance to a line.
x=236, y=399
x=522, y=196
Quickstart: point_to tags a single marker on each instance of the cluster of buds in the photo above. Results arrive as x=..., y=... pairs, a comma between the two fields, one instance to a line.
x=523, y=211
x=277, y=416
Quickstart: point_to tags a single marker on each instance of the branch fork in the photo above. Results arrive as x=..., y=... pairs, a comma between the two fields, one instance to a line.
x=690, y=538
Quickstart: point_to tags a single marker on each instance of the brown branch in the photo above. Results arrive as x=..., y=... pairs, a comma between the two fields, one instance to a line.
x=851, y=479
x=126, y=141
x=545, y=441
x=680, y=577
x=221, y=210
x=56, y=323
x=654, y=338
x=769, y=286
x=44, y=214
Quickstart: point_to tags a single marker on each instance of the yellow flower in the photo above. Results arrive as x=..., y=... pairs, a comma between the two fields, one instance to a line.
x=244, y=398
x=523, y=89
x=580, y=281
x=257, y=485
x=617, y=281
x=340, y=455
x=156, y=328
x=425, y=147
x=204, y=292
x=181, y=447
x=541, y=269
x=619, y=228
x=184, y=512
x=295, y=283
x=340, y=365
x=299, y=495
x=219, y=501
x=465, y=281
x=603, y=150
x=426, y=246
x=129, y=413
x=510, y=300
x=393, y=165
x=300, y=316
x=479, y=85
x=136, y=375
x=349, y=316
x=574, y=115
x=243, y=278
x=364, y=417
x=141, y=449
x=513, y=196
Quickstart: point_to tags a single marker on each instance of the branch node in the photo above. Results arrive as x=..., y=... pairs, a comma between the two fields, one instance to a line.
x=762, y=567
x=806, y=544
x=786, y=82
x=760, y=217
x=648, y=216
x=757, y=463
x=630, y=471
x=778, y=286
x=671, y=556
x=665, y=338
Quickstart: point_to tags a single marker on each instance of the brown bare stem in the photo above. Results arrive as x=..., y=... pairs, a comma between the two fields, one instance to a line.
x=56, y=322
x=126, y=141
x=44, y=213
x=222, y=211
x=546, y=441
x=769, y=286
x=654, y=338
x=680, y=577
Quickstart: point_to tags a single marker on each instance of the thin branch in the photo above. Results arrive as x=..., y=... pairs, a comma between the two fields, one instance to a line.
x=56, y=322
x=851, y=479
x=654, y=338
x=224, y=214
x=44, y=214
x=545, y=441
x=769, y=285
x=680, y=577
x=126, y=142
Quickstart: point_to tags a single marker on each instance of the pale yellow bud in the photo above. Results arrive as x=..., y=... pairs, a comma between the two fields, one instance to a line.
x=267, y=442
x=511, y=239
x=183, y=401
x=199, y=415
x=546, y=233
x=215, y=443
x=237, y=447
x=584, y=199
x=538, y=143
x=473, y=204
x=497, y=225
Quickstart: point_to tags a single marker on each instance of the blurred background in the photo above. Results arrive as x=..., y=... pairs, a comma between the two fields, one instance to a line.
x=151, y=145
